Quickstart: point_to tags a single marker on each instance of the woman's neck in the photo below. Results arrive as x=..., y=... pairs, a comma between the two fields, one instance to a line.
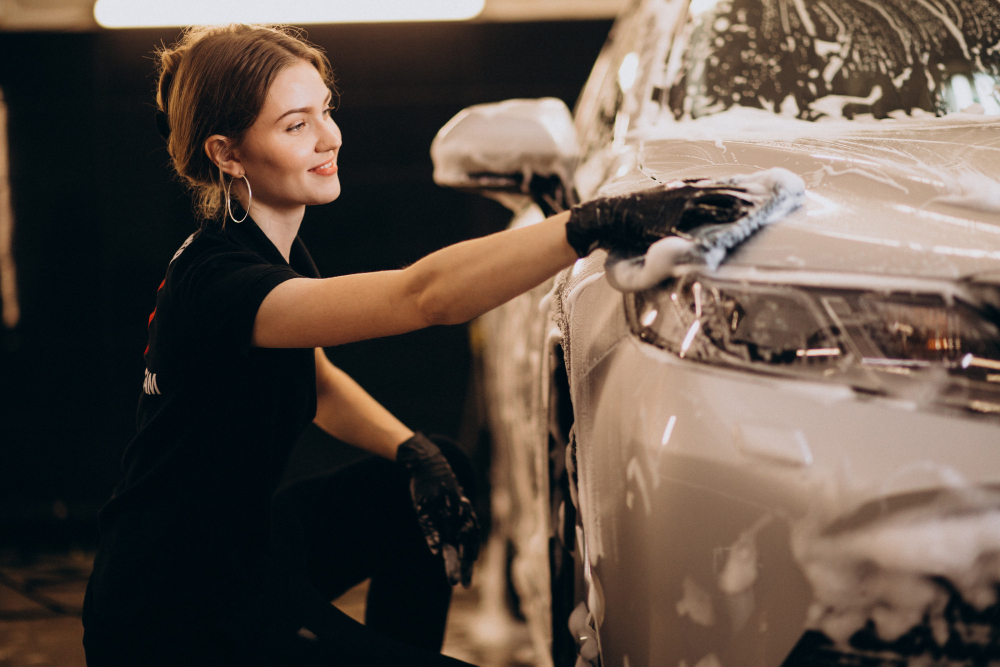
x=280, y=226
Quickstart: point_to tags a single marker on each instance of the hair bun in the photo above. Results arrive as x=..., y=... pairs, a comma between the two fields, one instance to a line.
x=170, y=60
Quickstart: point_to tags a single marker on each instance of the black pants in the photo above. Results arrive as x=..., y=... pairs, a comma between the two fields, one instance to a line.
x=330, y=533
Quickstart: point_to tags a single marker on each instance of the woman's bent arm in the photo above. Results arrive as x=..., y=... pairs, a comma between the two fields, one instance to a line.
x=348, y=412
x=450, y=286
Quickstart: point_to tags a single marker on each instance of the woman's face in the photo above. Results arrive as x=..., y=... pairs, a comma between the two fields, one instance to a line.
x=290, y=152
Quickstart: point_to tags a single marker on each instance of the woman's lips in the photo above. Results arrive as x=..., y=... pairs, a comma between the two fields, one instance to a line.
x=328, y=169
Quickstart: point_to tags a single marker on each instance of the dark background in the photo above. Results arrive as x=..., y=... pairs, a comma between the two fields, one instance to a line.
x=98, y=216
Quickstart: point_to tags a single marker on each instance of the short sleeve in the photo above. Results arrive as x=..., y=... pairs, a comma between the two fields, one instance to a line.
x=221, y=291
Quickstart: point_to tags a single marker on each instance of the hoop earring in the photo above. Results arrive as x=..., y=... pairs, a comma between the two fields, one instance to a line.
x=229, y=209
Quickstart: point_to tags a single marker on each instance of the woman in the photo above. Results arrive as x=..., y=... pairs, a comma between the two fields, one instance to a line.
x=201, y=562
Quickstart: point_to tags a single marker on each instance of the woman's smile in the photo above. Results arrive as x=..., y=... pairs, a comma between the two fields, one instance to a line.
x=327, y=169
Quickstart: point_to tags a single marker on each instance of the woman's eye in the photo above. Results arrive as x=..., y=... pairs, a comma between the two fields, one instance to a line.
x=297, y=126
x=327, y=111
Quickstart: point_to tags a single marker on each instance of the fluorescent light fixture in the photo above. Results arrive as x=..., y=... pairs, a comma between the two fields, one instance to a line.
x=166, y=13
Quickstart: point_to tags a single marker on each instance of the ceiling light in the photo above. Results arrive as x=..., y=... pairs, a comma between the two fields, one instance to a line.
x=158, y=13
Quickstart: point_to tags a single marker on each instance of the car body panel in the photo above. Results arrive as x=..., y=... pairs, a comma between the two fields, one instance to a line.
x=667, y=492
x=727, y=464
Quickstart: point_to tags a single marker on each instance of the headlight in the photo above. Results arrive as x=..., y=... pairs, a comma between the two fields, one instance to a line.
x=908, y=345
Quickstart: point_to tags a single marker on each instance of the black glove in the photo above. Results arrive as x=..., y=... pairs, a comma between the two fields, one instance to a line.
x=629, y=224
x=445, y=514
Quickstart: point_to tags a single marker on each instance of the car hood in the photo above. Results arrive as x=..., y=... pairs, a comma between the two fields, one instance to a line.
x=916, y=198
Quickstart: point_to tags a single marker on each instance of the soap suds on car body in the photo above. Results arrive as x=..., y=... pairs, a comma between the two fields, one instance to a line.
x=921, y=580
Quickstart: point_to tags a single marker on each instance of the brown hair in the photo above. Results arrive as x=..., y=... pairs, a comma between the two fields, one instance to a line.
x=214, y=80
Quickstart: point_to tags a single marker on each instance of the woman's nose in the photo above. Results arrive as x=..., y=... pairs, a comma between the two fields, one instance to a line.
x=332, y=140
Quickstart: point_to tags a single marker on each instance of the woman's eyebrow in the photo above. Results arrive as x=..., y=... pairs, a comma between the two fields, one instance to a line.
x=329, y=96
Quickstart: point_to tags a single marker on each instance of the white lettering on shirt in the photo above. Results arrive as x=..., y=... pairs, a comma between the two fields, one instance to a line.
x=149, y=384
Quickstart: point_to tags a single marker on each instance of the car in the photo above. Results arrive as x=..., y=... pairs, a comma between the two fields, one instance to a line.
x=792, y=458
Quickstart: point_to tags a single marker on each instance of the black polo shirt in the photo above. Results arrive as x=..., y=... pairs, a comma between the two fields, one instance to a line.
x=217, y=419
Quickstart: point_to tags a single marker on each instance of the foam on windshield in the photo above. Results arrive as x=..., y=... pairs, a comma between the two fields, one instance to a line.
x=813, y=59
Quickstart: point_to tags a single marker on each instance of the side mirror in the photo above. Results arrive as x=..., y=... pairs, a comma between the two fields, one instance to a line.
x=512, y=151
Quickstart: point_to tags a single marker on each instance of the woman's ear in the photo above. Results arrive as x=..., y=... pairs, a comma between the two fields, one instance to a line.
x=220, y=151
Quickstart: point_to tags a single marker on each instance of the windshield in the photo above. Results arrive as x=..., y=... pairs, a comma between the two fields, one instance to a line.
x=835, y=58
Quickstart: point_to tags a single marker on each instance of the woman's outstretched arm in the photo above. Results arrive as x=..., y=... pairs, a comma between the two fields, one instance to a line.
x=450, y=286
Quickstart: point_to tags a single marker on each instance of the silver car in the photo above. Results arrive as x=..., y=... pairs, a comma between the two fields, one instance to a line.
x=793, y=458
